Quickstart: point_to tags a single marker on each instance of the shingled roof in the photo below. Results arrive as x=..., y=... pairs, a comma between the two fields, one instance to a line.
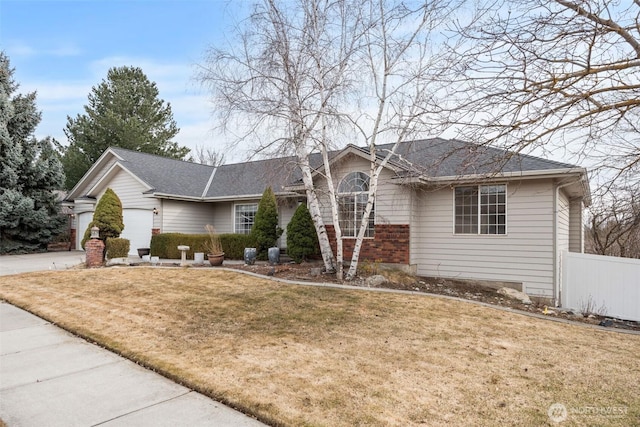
x=165, y=175
x=428, y=158
x=437, y=157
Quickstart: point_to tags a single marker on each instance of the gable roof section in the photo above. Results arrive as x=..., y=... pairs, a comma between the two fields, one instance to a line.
x=165, y=175
x=108, y=175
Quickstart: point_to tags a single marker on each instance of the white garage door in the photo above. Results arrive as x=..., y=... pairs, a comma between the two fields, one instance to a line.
x=82, y=222
x=137, y=228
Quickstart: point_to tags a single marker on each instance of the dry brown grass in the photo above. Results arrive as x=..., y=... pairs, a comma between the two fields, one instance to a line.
x=301, y=355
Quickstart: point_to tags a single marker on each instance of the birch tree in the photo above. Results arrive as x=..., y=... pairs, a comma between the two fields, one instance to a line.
x=403, y=67
x=314, y=75
x=558, y=76
x=278, y=85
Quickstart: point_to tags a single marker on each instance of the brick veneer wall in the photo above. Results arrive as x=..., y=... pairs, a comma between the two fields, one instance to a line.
x=94, y=249
x=390, y=244
x=155, y=231
x=72, y=239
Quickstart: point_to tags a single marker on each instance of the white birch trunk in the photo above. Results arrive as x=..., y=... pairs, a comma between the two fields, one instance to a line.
x=364, y=223
x=314, y=210
x=334, y=215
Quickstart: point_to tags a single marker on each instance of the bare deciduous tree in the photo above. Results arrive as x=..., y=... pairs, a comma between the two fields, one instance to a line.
x=278, y=83
x=207, y=156
x=309, y=76
x=558, y=75
x=614, y=226
x=403, y=67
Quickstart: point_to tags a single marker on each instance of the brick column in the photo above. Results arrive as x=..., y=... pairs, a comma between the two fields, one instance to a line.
x=72, y=239
x=94, y=250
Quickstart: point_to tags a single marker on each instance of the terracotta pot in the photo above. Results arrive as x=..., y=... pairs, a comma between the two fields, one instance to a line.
x=216, y=260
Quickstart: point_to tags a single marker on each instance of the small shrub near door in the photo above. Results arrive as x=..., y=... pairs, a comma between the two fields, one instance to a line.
x=265, y=227
x=302, y=240
x=107, y=217
x=117, y=247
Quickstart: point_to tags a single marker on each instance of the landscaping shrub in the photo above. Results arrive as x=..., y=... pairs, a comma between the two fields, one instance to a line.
x=165, y=245
x=107, y=217
x=265, y=228
x=234, y=244
x=117, y=247
x=302, y=239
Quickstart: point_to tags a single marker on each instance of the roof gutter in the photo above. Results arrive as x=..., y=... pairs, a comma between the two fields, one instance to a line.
x=217, y=199
x=550, y=173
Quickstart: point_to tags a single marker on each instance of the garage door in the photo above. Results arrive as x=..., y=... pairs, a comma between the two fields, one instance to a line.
x=137, y=228
x=82, y=222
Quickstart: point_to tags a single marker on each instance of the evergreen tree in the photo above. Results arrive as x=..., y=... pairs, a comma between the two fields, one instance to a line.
x=107, y=217
x=265, y=228
x=302, y=239
x=30, y=172
x=123, y=111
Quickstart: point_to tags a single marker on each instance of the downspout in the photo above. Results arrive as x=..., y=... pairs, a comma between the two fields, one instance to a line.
x=557, y=288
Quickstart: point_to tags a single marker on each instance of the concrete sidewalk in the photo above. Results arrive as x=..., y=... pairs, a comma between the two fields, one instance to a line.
x=49, y=377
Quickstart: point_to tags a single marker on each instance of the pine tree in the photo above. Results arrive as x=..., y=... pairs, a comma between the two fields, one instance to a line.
x=123, y=111
x=30, y=172
x=265, y=228
x=302, y=239
x=107, y=217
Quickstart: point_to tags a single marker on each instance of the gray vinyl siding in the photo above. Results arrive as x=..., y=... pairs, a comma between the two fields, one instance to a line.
x=576, y=226
x=191, y=217
x=222, y=217
x=563, y=222
x=414, y=232
x=523, y=255
x=393, y=202
x=185, y=217
x=129, y=191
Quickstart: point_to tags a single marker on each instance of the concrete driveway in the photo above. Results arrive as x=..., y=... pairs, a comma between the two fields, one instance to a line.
x=51, y=377
x=13, y=264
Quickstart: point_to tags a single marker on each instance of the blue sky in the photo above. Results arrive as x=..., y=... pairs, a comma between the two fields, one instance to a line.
x=62, y=48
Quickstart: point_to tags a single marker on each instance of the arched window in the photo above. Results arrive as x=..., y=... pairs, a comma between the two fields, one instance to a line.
x=353, y=192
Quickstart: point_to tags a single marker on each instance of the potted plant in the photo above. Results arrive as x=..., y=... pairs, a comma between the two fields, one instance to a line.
x=143, y=251
x=213, y=246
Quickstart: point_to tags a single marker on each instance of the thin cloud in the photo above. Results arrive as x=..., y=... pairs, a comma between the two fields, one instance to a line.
x=18, y=48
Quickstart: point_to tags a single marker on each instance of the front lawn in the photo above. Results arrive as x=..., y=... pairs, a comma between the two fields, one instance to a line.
x=303, y=355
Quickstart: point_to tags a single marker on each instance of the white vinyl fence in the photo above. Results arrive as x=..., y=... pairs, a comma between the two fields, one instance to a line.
x=604, y=282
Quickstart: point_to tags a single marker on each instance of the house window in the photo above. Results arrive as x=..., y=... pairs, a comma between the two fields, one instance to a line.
x=353, y=192
x=244, y=217
x=481, y=209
